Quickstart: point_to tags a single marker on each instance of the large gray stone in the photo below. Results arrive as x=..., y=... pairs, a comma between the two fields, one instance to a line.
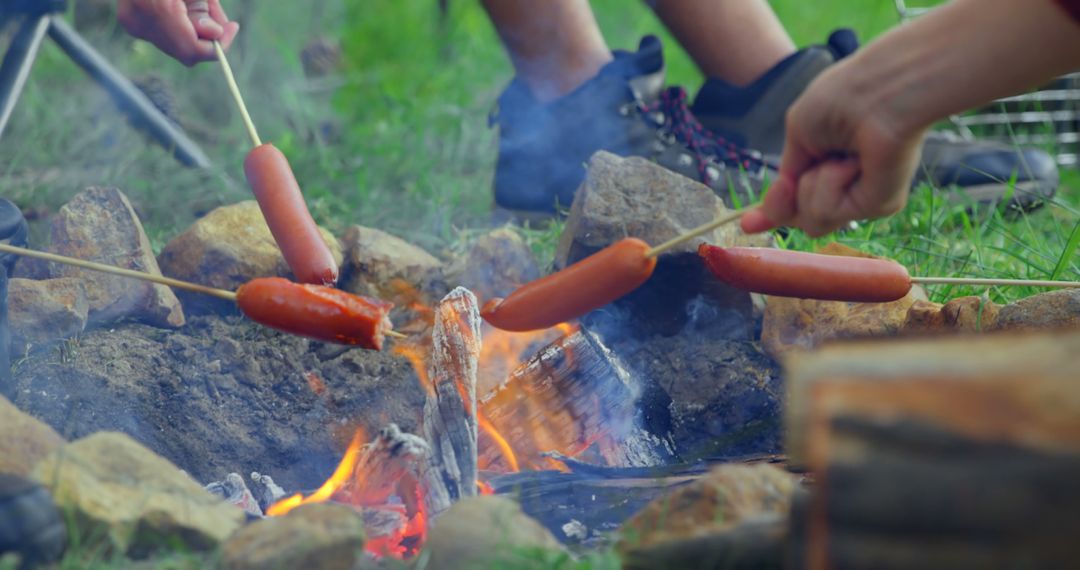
x=42, y=311
x=99, y=224
x=633, y=197
x=319, y=536
x=136, y=501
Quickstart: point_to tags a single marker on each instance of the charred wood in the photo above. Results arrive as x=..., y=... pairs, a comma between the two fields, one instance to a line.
x=573, y=397
x=450, y=423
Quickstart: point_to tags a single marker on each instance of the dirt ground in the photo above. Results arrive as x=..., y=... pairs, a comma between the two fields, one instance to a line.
x=220, y=395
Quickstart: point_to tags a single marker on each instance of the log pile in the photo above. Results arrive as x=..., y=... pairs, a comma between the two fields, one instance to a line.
x=958, y=453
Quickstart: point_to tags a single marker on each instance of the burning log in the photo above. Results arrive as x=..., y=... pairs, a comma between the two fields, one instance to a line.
x=958, y=453
x=386, y=467
x=450, y=422
x=571, y=397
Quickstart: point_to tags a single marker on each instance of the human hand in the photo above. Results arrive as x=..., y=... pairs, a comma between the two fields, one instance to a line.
x=184, y=29
x=845, y=158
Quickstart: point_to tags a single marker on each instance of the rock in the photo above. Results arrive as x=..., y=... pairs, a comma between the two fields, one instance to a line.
x=962, y=315
x=1052, y=310
x=42, y=311
x=226, y=248
x=726, y=396
x=381, y=265
x=31, y=526
x=694, y=525
x=496, y=264
x=25, y=441
x=803, y=324
x=136, y=501
x=484, y=532
x=319, y=536
x=100, y=225
x=633, y=197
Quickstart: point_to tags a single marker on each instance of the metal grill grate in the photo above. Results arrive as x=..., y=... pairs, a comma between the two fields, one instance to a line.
x=1048, y=118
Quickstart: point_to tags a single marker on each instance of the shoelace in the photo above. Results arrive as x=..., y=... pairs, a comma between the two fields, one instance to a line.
x=672, y=113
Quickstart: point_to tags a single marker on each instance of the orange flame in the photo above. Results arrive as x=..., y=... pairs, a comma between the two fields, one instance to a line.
x=500, y=442
x=339, y=477
x=415, y=356
x=484, y=488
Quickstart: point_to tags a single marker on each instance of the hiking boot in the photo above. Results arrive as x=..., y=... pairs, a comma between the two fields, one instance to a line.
x=543, y=148
x=983, y=171
x=754, y=115
x=13, y=231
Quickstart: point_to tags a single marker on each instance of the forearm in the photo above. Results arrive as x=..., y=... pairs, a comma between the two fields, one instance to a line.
x=960, y=56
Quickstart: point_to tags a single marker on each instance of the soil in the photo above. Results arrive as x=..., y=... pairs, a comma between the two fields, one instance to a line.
x=220, y=395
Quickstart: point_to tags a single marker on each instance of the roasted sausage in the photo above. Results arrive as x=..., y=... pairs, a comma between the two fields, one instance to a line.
x=315, y=311
x=568, y=294
x=275, y=187
x=807, y=275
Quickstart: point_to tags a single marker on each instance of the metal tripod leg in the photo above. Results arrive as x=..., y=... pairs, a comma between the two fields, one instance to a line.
x=17, y=63
x=130, y=99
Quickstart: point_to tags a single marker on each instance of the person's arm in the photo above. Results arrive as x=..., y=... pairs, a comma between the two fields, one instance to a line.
x=853, y=137
x=184, y=29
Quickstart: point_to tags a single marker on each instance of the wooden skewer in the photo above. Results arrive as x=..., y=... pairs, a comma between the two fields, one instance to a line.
x=992, y=282
x=235, y=89
x=112, y=269
x=698, y=231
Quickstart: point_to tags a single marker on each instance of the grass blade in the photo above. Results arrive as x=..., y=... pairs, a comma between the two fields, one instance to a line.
x=1067, y=255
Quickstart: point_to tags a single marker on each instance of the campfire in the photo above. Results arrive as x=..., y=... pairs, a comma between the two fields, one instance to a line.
x=567, y=401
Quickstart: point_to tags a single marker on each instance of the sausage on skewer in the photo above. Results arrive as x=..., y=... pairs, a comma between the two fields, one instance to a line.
x=807, y=275
x=317, y=312
x=568, y=294
x=282, y=204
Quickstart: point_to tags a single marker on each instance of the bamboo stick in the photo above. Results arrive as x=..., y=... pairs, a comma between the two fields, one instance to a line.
x=698, y=231
x=120, y=271
x=992, y=282
x=112, y=269
x=235, y=90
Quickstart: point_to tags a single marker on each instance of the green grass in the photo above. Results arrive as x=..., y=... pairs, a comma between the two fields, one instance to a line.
x=409, y=149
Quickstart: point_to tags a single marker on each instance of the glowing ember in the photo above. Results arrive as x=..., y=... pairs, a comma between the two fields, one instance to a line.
x=318, y=387
x=485, y=489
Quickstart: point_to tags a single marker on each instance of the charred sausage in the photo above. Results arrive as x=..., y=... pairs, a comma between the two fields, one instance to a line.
x=315, y=311
x=807, y=275
x=571, y=293
x=275, y=187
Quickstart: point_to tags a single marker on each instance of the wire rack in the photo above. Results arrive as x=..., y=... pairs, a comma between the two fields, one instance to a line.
x=1048, y=117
